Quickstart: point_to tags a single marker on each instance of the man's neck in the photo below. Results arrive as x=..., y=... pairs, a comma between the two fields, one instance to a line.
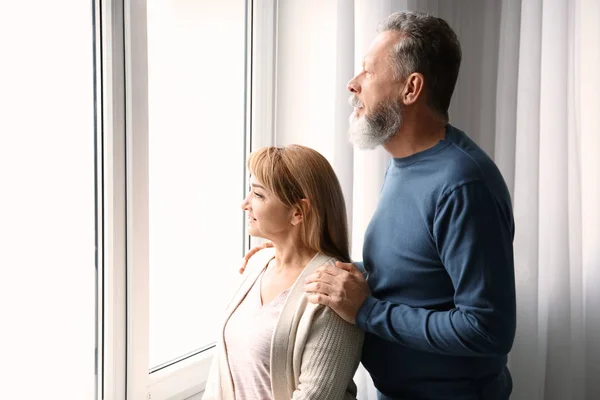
x=416, y=136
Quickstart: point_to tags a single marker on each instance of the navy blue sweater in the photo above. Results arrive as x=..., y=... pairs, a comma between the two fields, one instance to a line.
x=439, y=257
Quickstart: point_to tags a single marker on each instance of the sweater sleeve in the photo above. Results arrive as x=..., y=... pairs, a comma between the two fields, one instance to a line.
x=474, y=240
x=330, y=359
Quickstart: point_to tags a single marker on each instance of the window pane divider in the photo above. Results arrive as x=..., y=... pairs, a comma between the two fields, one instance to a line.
x=111, y=215
x=137, y=193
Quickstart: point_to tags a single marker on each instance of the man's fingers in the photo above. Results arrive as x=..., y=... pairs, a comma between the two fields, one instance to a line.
x=245, y=262
x=319, y=299
x=319, y=288
x=329, y=270
x=321, y=276
x=256, y=249
x=339, y=268
x=252, y=252
x=345, y=266
x=351, y=268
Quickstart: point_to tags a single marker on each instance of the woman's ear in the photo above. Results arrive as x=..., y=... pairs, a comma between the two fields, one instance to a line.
x=300, y=211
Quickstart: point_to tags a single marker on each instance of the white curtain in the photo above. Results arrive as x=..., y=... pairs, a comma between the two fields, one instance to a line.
x=529, y=94
x=556, y=201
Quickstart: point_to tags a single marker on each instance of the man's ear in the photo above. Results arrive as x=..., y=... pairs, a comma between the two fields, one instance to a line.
x=413, y=88
x=300, y=211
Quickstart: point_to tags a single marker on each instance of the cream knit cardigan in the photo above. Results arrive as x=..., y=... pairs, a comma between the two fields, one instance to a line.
x=314, y=353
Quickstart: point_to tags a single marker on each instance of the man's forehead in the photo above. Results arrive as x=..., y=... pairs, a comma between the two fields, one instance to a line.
x=381, y=45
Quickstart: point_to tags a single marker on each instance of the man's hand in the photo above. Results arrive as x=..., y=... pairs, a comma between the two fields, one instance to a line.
x=341, y=287
x=252, y=252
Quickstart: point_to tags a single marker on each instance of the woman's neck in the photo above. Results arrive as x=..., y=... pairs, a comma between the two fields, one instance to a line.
x=292, y=256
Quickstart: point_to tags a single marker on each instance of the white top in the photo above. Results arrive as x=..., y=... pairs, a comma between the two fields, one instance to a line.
x=314, y=353
x=248, y=336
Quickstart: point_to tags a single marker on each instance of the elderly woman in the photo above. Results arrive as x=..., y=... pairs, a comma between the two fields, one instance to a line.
x=274, y=343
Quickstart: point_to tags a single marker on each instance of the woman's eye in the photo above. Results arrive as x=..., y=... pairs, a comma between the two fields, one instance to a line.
x=258, y=195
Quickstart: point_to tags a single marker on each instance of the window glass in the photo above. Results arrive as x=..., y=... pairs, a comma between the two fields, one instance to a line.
x=196, y=91
x=47, y=221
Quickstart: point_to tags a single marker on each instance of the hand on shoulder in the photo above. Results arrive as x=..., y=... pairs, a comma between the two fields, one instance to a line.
x=251, y=253
x=342, y=287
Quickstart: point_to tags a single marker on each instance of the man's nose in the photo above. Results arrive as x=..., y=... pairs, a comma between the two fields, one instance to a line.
x=353, y=85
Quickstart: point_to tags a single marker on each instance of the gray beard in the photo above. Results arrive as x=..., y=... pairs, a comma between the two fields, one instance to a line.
x=370, y=131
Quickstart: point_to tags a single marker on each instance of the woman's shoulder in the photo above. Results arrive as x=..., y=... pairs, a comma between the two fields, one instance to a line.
x=319, y=260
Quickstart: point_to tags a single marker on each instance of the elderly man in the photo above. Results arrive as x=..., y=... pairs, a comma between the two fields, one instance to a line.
x=438, y=301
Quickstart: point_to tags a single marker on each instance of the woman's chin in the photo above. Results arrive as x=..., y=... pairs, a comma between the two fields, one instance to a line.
x=255, y=233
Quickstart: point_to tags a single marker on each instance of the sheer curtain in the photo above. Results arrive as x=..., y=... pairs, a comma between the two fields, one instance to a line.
x=556, y=199
x=529, y=94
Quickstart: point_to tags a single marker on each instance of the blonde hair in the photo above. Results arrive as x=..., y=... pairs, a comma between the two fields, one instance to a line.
x=294, y=173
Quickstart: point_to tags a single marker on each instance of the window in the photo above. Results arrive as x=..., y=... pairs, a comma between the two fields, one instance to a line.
x=197, y=142
x=47, y=226
x=177, y=98
x=123, y=141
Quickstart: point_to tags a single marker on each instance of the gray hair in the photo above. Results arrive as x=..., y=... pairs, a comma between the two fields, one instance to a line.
x=430, y=47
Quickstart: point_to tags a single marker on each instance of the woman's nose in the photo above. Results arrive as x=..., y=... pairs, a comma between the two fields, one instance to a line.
x=244, y=204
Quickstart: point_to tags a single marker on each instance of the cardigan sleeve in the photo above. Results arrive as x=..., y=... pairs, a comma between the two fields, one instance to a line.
x=330, y=358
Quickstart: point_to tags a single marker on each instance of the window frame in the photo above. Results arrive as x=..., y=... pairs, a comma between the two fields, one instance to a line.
x=121, y=97
x=109, y=91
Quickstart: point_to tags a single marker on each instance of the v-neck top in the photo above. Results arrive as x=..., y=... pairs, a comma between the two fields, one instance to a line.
x=248, y=336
